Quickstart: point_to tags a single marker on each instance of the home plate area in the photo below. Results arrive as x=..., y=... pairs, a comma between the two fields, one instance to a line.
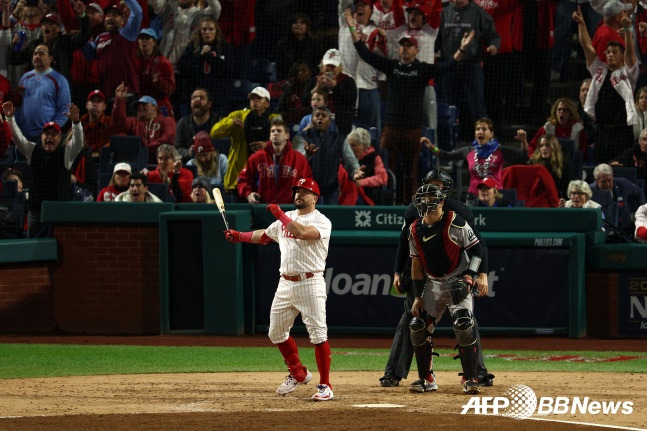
x=247, y=401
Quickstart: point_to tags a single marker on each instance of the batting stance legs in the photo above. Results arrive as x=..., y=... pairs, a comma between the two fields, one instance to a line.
x=307, y=297
x=303, y=236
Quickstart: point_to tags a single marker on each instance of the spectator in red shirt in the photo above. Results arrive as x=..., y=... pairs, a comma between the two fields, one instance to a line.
x=612, y=13
x=501, y=71
x=153, y=128
x=270, y=174
x=118, y=183
x=169, y=171
x=154, y=71
x=97, y=126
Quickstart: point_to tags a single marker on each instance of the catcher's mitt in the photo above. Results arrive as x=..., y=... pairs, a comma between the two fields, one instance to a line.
x=459, y=290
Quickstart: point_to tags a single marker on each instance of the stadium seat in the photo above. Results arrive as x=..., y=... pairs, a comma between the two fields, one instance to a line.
x=375, y=141
x=388, y=192
x=510, y=195
x=127, y=149
x=260, y=70
x=161, y=191
x=610, y=208
x=447, y=132
x=627, y=172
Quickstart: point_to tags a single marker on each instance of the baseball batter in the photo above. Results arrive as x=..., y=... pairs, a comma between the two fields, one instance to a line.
x=303, y=236
x=445, y=257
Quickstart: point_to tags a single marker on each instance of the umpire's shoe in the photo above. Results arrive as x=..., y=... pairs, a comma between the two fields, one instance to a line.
x=389, y=381
x=486, y=379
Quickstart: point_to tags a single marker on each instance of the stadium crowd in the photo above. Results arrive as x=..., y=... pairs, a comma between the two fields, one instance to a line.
x=251, y=95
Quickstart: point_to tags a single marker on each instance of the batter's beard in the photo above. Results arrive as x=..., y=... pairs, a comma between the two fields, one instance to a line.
x=300, y=205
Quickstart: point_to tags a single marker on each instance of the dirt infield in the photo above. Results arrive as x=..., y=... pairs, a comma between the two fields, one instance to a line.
x=246, y=401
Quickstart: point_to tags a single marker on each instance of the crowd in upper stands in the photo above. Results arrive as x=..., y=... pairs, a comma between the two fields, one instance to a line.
x=249, y=96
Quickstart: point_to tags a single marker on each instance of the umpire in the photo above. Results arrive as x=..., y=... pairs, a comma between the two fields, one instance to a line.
x=401, y=354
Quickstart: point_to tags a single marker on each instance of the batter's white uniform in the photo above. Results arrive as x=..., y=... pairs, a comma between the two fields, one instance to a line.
x=308, y=295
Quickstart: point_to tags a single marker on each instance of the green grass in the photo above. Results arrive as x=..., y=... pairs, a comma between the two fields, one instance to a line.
x=49, y=360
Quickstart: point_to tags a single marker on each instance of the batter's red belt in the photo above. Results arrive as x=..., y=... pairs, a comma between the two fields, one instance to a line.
x=298, y=277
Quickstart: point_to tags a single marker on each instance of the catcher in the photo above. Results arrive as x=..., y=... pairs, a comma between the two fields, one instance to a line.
x=445, y=256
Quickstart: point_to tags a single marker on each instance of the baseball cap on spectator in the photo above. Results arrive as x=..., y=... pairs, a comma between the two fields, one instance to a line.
x=145, y=99
x=149, y=32
x=412, y=40
x=366, y=2
x=333, y=57
x=96, y=7
x=614, y=7
x=260, y=92
x=53, y=17
x=487, y=182
x=202, y=143
x=52, y=125
x=114, y=7
x=123, y=167
x=11, y=171
x=97, y=93
x=421, y=7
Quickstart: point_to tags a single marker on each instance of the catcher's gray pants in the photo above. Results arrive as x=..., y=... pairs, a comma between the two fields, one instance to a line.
x=401, y=354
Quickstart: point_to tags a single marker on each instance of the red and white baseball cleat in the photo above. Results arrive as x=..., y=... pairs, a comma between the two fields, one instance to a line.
x=324, y=393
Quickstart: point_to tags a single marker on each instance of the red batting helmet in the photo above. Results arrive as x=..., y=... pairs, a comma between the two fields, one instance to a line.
x=308, y=184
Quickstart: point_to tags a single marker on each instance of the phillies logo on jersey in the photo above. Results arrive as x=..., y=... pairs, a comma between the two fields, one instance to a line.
x=286, y=233
x=103, y=41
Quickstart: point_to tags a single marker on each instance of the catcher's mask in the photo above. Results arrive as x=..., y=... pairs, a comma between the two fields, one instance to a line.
x=427, y=199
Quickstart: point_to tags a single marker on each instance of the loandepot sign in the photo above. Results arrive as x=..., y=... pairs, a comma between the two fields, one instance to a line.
x=520, y=402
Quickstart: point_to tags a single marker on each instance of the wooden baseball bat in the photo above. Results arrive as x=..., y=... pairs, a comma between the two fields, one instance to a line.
x=217, y=196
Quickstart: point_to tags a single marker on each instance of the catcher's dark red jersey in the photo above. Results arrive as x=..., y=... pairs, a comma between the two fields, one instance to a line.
x=440, y=246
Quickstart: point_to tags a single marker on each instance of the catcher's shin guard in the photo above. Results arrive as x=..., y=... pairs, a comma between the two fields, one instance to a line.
x=467, y=346
x=424, y=359
x=423, y=345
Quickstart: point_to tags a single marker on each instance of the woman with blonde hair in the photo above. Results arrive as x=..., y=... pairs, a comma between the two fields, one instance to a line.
x=550, y=155
x=211, y=166
x=564, y=122
x=200, y=192
x=579, y=193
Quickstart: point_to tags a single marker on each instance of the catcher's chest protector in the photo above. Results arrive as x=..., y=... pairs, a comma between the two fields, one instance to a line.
x=439, y=254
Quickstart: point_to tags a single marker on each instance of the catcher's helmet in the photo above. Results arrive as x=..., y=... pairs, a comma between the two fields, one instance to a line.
x=308, y=184
x=438, y=175
x=427, y=198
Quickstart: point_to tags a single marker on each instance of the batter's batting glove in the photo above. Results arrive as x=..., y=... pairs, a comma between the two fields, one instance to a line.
x=276, y=211
x=232, y=235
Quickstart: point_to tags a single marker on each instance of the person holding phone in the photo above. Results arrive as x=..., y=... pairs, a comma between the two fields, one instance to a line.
x=341, y=88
